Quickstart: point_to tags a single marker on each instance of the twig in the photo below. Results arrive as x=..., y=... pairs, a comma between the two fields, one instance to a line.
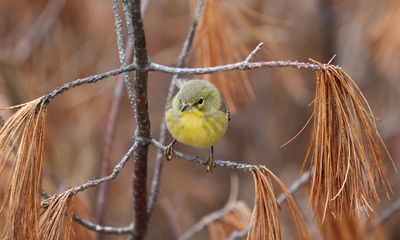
x=112, y=176
x=122, y=54
x=296, y=185
x=220, y=163
x=155, y=185
x=239, y=234
x=142, y=119
x=103, y=229
x=86, y=80
x=107, y=149
x=93, y=183
x=254, y=52
x=389, y=212
x=239, y=66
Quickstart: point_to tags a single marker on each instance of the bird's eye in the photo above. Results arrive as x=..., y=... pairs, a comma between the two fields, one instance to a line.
x=201, y=101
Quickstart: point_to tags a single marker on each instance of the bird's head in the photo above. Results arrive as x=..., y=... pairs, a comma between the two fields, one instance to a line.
x=199, y=95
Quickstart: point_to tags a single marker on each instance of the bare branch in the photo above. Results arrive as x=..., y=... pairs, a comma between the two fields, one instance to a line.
x=254, y=52
x=155, y=185
x=296, y=185
x=142, y=118
x=112, y=176
x=239, y=66
x=86, y=80
x=236, y=235
x=103, y=229
x=125, y=58
x=107, y=149
x=220, y=163
x=122, y=54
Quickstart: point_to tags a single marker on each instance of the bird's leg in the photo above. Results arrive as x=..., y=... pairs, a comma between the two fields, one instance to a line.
x=169, y=151
x=210, y=161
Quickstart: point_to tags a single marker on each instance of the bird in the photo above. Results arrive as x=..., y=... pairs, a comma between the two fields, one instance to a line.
x=197, y=116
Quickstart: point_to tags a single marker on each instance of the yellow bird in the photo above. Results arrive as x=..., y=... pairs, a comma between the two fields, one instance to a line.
x=197, y=116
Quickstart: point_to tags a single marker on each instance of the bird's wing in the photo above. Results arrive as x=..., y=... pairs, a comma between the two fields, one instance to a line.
x=223, y=108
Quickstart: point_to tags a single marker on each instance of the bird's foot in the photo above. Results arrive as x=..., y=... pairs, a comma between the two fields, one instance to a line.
x=210, y=164
x=169, y=152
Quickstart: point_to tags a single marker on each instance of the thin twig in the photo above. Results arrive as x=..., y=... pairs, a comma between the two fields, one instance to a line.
x=142, y=119
x=254, y=52
x=112, y=176
x=296, y=185
x=96, y=182
x=103, y=229
x=239, y=66
x=198, y=160
x=87, y=80
x=239, y=234
x=107, y=150
x=155, y=185
x=122, y=54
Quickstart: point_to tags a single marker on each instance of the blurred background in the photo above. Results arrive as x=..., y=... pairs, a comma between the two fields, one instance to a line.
x=44, y=44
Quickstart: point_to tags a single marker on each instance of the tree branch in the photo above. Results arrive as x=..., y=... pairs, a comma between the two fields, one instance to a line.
x=122, y=54
x=103, y=229
x=142, y=119
x=239, y=66
x=107, y=150
x=155, y=185
x=198, y=160
x=254, y=52
x=112, y=176
x=87, y=80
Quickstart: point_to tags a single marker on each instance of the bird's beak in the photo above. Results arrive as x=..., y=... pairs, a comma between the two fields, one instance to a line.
x=185, y=106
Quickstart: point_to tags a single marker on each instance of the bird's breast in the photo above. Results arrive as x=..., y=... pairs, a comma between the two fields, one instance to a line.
x=195, y=128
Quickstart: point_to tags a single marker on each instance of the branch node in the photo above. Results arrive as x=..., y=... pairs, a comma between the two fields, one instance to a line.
x=144, y=141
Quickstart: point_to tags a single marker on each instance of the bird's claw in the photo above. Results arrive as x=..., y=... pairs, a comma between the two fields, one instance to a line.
x=210, y=164
x=169, y=152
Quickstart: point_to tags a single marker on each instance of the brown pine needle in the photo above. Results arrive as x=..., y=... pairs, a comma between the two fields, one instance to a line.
x=297, y=134
x=265, y=222
x=22, y=135
x=348, y=155
x=221, y=21
x=350, y=227
x=56, y=218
